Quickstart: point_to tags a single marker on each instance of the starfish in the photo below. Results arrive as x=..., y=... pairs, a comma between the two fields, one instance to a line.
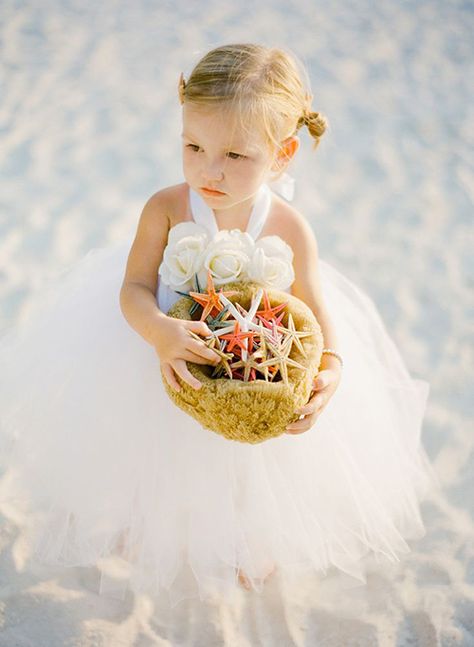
x=241, y=309
x=210, y=301
x=224, y=363
x=281, y=359
x=245, y=321
x=250, y=365
x=228, y=328
x=220, y=320
x=276, y=335
x=194, y=305
x=263, y=348
x=213, y=343
x=209, y=341
x=238, y=337
x=295, y=335
x=273, y=330
x=263, y=338
x=237, y=374
x=268, y=342
x=268, y=322
x=264, y=368
x=268, y=312
x=255, y=303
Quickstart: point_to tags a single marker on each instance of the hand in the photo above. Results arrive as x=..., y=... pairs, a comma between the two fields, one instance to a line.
x=324, y=385
x=175, y=346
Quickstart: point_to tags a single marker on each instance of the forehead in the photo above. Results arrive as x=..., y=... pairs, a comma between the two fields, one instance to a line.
x=221, y=125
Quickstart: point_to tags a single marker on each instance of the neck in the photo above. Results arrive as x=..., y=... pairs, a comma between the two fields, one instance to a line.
x=236, y=216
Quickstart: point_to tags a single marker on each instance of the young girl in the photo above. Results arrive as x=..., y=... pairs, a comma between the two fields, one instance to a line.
x=103, y=461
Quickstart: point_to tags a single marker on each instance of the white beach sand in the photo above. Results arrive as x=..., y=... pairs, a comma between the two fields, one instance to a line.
x=89, y=129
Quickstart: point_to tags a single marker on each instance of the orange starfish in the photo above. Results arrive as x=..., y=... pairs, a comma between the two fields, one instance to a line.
x=268, y=312
x=210, y=300
x=268, y=323
x=239, y=338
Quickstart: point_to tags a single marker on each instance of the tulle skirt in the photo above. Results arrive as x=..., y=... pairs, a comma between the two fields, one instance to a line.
x=105, y=466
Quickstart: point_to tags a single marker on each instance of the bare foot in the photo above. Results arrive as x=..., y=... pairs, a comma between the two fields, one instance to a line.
x=123, y=548
x=271, y=569
x=244, y=580
x=120, y=546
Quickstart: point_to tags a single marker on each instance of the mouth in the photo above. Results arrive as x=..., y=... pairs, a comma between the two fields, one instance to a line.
x=207, y=191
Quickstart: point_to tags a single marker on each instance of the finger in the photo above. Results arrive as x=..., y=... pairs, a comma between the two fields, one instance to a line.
x=317, y=401
x=170, y=377
x=200, y=349
x=298, y=426
x=179, y=365
x=321, y=380
x=200, y=328
x=307, y=409
x=189, y=356
x=293, y=430
x=312, y=405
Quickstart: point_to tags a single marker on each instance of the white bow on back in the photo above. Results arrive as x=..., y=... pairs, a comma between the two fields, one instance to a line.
x=284, y=185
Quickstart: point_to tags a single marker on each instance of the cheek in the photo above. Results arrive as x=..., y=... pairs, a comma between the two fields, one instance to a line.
x=254, y=173
x=186, y=154
x=189, y=160
x=247, y=169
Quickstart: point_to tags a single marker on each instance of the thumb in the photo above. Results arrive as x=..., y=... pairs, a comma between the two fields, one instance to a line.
x=201, y=328
x=319, y=381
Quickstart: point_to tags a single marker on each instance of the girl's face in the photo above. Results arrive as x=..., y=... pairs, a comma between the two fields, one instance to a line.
x=221, y=161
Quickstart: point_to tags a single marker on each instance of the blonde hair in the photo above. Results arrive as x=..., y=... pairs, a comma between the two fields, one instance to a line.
x=264, y=83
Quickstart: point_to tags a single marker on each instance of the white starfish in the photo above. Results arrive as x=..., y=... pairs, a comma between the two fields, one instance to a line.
x=248, y=318
x=246, y=321
x=295, y=335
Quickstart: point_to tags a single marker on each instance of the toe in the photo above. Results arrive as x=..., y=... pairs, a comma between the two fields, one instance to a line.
x=270, y=571
x=244, y=580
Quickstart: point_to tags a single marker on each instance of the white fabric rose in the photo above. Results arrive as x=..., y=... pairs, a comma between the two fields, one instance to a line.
x=183, y=255
x=271, y=263
x=227, y=257
x=231, y=255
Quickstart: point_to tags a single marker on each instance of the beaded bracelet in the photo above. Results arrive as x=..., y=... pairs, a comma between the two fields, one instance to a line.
x=330, y=351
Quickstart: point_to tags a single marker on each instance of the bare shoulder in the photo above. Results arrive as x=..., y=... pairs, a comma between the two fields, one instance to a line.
x=167, y=201
x=157, y=217
x=159, y=213
x=291, y=225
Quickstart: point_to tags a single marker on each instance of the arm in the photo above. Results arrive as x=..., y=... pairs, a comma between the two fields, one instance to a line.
x=307, y=285
x=138, y=291
x=169, y=336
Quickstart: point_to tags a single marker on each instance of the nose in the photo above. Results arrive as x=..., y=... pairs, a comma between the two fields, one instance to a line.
x=214, y=171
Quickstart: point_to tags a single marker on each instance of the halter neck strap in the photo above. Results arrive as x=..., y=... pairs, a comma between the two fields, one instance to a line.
x=203, y=214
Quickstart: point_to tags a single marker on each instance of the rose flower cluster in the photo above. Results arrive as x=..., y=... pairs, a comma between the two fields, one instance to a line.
x=230, y=255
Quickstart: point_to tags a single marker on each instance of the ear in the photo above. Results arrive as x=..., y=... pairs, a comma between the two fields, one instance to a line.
x=286, y=152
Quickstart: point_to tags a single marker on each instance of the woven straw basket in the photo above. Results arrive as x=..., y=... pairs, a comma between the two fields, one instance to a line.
x=253, y=411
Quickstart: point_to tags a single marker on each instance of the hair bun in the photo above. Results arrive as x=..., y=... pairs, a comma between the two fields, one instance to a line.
x=316, y=123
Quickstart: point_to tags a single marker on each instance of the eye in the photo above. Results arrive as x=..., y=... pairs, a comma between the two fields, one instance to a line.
x=193, y=147
x=235, y=156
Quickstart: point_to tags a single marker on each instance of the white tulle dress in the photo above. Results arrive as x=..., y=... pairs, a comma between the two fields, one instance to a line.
x=94, y=451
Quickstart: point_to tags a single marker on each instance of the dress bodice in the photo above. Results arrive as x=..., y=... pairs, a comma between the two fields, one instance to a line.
x=204, y=216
